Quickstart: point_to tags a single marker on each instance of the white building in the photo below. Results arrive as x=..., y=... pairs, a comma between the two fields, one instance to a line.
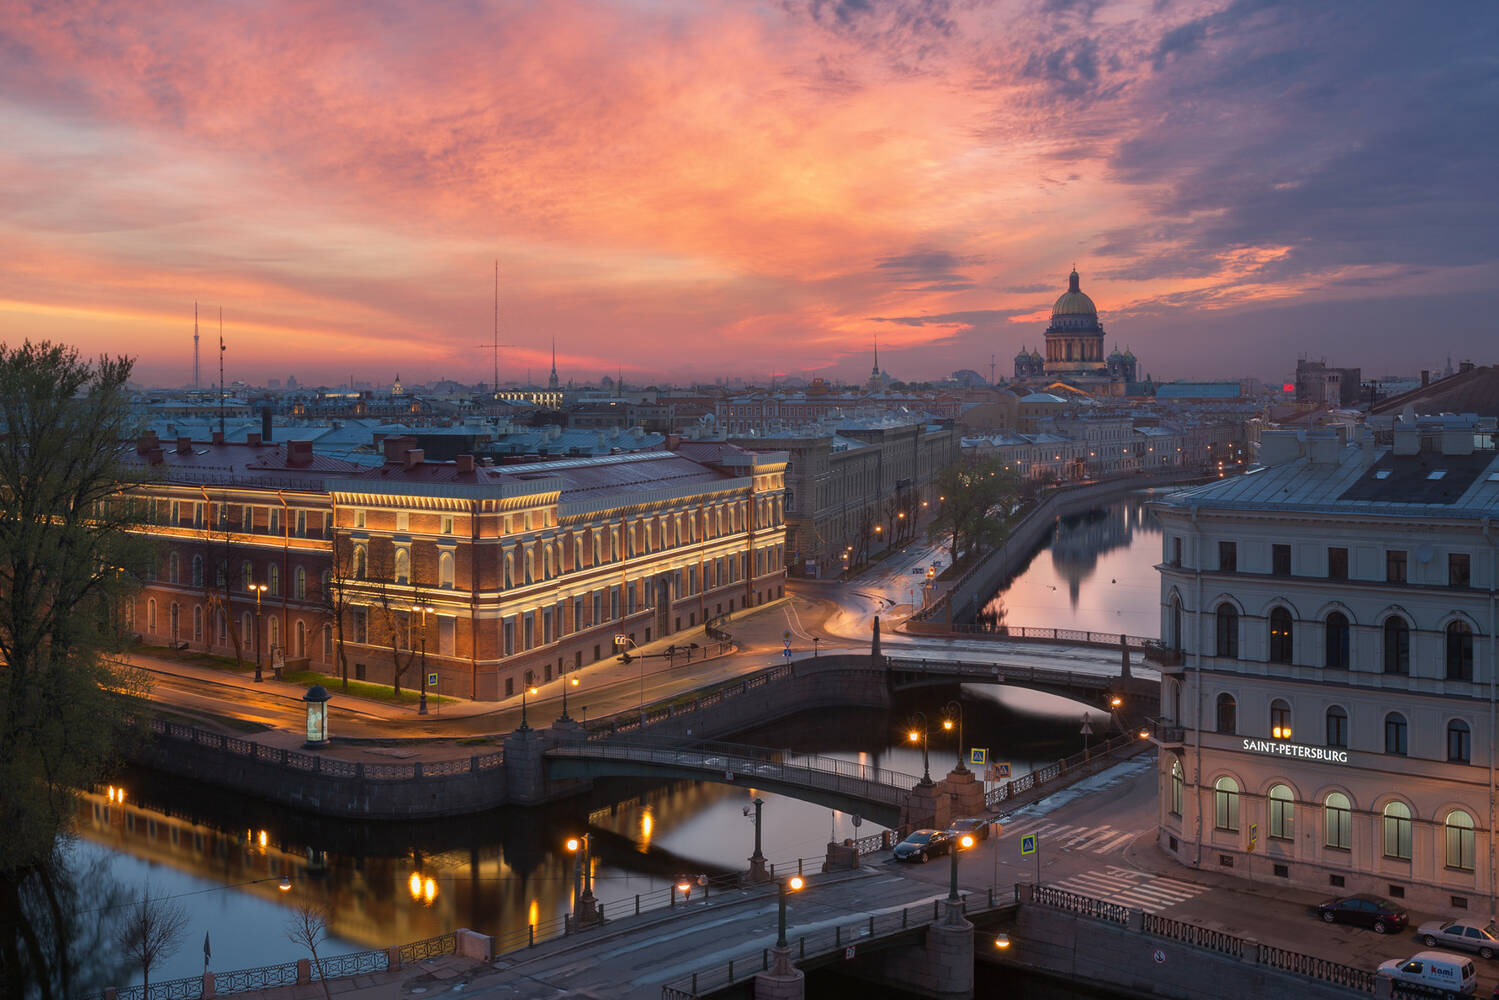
x=1329, y=715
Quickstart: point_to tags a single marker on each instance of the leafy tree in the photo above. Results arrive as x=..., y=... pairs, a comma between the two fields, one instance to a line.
x=979, y=495
x=151, y=932
x=69, y=563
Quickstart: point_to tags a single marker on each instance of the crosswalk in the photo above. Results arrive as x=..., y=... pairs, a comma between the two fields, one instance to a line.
x=1092, y=839
x=1142, y=890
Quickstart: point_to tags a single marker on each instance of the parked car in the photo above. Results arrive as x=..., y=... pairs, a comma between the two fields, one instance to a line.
x=974, y=826
x=1365, y=911
x=1460, y=935
x=924, y=844
x=1433, y=973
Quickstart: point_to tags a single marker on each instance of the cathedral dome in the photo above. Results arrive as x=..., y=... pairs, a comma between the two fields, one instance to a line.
x=1073, y=302
x=1024, y=355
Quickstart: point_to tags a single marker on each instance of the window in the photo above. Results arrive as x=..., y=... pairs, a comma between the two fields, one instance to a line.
x=1394, y=566
x=403, y=520
x=361, y=562
x=197, y=623
x=1335, y=653
x=1337, y=727
x=275, y=520
x=1459, y=652
x=1282, y=813
x=1458, y=569
x=300, y=584
x=445, y=570
x=1176, y=551
x=1459, y=836
x=1226, y=804
x=197, y=571
x=509, y=636
x=273, y=579
x=1280, y=719
x=1459, y=742
x=1337, y=564
x=446, y=524
x=173, y=569
x=1176, y=787
x=1337, y=821
x=1228, y=557
x=1397, y=645
x=1280, y=560
x=1280, y=636
x=301, y=524
x=1228, y=630
x=1228, y=714
x=1394, y=733
x=403, y=565
x=1397, y=831
x=359, y=518
x=247, y=518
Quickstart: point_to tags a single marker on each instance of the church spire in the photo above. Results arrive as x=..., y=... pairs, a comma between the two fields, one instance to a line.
x=875, y=372
x=552, y=381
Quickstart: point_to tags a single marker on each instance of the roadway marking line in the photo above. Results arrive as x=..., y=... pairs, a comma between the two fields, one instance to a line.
x=1083, y=840
x=1116, y=842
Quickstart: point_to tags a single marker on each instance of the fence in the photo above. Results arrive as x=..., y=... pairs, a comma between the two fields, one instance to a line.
x=1073, y=636
x=287, y=973
x=628, y=721
x=1051, y=772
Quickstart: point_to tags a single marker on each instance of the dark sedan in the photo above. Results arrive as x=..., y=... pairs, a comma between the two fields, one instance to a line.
x=924, y=844
x=973, y=826
x=1365, y=911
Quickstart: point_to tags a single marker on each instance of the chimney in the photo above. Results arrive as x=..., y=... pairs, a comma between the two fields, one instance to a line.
x=218, y=437
x=146, y=443
x=673, y=442
x=299, y=453
x=265, y=423
x=184, y=446
x=395, y=447
x=465, y=464
x=413, y=457
x=154, y=455
x=253, y=440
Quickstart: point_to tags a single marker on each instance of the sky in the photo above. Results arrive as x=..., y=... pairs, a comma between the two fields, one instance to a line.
x=729, y=188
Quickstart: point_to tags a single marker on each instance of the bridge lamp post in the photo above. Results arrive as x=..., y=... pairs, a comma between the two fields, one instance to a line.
x=792, y=884
x=422, y=609
x=953, y=710
x=585, y=907
x=525, y=726
x=570, y=682
x=259, y=589
x=757, y=860
x=920, y=736
x=964, y=842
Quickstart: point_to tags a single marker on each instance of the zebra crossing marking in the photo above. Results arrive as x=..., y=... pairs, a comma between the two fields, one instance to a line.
x=1097, y=839
x=1141, y=890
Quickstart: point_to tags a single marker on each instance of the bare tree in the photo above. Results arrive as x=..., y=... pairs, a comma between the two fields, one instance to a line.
x=151, y=932
x=308, y=927
x=219, y=579
x=334, y=602
x=390, y=621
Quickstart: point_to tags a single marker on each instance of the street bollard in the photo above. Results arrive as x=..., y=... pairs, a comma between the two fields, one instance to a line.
x=764, y=959
x=637, y=904
x=531, y=933
x=838, y=937
x=871, y=925
x=803, y=947
x=904, y=913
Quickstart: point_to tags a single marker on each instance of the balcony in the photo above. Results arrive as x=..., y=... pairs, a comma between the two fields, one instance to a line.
x=1167, y=734
x=1158, y=654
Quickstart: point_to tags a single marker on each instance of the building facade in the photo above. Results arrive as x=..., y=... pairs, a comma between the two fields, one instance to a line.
x=1328, y=711
x=495, y=577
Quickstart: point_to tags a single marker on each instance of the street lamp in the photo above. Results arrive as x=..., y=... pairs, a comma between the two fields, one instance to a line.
x=953, y=713
x=527, y=689
x=570, y=682
x=421, y=708
x=584, y=906
x=920, y=736
x=757, y=860
x=965, y=842
x=792, y=884
x=259, y=589
x=815, y=641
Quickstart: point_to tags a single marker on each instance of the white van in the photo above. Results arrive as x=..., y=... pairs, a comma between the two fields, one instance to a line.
x=1436, y=973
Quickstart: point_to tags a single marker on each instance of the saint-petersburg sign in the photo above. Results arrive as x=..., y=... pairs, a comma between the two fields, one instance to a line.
x=1300, y=750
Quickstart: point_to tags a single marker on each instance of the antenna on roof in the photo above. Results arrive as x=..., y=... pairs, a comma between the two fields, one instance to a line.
x=497, y=325
x=221, y=371
x=195, y=344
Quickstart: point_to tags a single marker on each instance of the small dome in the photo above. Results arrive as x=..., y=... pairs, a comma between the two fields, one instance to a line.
x=1115, y=355
x=1129, y=354
x=1073, y=302
x=1036, y=355
x=1024, y=355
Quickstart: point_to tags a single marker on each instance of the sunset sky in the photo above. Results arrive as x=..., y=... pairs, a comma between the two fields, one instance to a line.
x=722, y=187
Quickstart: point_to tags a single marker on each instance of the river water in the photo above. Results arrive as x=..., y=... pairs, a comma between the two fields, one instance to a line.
x=221, y=855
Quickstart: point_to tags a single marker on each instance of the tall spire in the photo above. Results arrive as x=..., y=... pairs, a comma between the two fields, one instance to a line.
x=195, y=344
x=552, y=381
x=875, y=372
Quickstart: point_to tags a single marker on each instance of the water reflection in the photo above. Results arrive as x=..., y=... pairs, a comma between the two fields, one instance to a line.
x=1100, y=574
x=388, y=883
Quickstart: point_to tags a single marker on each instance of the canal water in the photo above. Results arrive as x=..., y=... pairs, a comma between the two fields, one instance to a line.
x=221, y=855
x=1095, y=571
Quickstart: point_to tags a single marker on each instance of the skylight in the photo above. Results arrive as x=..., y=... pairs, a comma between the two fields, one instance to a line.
x=1436, y=474
x=1382, y=474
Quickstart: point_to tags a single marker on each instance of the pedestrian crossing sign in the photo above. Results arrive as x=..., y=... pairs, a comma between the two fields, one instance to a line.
x=978, y=756
x=1003, y=770
x=432, y=680
x=1028, y=844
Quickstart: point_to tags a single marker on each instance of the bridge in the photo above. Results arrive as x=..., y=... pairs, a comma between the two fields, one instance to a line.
x=905, y=674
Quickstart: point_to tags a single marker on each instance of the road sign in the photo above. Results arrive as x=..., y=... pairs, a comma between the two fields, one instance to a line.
x=431, y=680
x=1087, y=729
x=978, y=756
x=1159, y=956
x=786, y=652
x=1028, y=844
x=787, y=636
x=1254, y=834
x=620, y=639
x=848, y=953
x=1004, y=771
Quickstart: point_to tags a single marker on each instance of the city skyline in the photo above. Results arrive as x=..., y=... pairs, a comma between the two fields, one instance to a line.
x=769, y=187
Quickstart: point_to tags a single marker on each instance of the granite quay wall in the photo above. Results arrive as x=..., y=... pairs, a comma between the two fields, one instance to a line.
x=1139, y=954
x=960, y=602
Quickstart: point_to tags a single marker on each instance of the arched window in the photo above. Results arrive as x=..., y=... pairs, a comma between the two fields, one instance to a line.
x=1280, y=636
x=1337, y=727
x=300, y=583
x=530, y=565
x=361, y=562
x=1394, y=733
x=1228, y=630
x=1459, y=742
x=1459, y=652
x=273, y=633
x=247, y=630
x=301, y=639
x=403, y=565
x=172, y=567
x=197, y=571
x=1282, y=813
x=509, y=569
x=1459, y=830
x=175, y=620
x=1397, y=831
x=445, y=570
x=273, y=579
x=1337, y=821
x=1397, y=645
x=1226, y=804
x=1176, y=786
x=1280, y=719
x=1335, y=645
x=1228, y=714
x=246, y=575
x=1176, y=623
x=197, y=623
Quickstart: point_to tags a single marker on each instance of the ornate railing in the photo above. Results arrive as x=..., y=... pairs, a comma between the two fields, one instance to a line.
x=1202, y=937
x=1317, y=968
x=353, y=963
x=1051, y=772
x=1088, y=906
x=245, y=980
x=173, y=989
x=442, y=944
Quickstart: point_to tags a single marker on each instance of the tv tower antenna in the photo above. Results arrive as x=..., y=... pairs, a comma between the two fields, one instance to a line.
x=221, y=372
x=495, y=388
x=991, y=369
x=195, y=346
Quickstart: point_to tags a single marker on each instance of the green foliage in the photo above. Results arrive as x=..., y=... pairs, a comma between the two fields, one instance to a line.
x=974, y=514
x=68, y=561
